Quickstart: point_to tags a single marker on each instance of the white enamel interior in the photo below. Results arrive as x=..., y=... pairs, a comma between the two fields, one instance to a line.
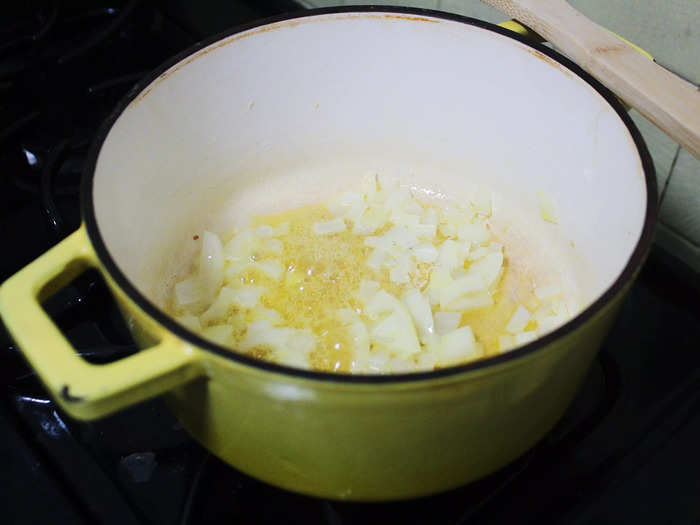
x=298, y=110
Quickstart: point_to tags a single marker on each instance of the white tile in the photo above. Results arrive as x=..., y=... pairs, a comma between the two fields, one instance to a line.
x=662, y=148
x=680, y=209
x=678, y=246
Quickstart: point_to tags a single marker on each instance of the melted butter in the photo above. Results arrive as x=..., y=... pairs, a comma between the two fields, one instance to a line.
x=322, y=273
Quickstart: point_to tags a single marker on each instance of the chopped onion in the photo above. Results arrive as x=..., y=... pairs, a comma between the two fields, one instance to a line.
x=211, y=265
x=402, y=269
x=425, y=252
x=488, y=268
x=446, y=321
x=525, y=337
x=456, y=346
x=466, y=284
x=471, y=302
x=367, y=290
x=420, y=311
x=381, y=303
x=329, y=227
x=191, y=322
x=474, y=232
x=188, y=292
x=450, y=255
x=547, y=292
x=519, y=320
x=272, y=268
x=506, y=343
x=396, y=333
x=221, y=334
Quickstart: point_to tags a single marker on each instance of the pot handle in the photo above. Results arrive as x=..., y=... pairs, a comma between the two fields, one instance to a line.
x=84, y=390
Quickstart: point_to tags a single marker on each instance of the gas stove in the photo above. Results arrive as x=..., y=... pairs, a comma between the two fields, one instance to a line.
x=626, y=451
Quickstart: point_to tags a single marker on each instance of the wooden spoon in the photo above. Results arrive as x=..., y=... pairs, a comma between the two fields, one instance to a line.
x=664, y=98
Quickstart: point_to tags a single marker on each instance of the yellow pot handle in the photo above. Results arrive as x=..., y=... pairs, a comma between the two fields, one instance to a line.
x=84, y=390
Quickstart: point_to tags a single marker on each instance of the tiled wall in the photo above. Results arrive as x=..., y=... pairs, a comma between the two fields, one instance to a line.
x=669, y=30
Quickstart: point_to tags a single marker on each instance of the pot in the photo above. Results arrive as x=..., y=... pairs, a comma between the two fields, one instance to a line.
x=289, y=111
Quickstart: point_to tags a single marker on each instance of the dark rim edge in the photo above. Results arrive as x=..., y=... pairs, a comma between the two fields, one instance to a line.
x=633, y=264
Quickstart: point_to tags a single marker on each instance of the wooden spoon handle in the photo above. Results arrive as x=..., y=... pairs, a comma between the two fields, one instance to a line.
x=664, y=98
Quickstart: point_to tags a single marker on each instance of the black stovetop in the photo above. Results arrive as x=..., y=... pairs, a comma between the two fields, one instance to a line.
x=626, y=452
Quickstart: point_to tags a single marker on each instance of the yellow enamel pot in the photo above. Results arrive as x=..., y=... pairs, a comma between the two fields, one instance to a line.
x=289, y=111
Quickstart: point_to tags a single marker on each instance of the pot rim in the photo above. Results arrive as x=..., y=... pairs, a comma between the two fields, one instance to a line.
x=626, y=276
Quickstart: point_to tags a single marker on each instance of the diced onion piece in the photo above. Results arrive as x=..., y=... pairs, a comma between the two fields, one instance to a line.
x=219, y=309
x=471, y=302
x=506, y=343
x=381, y=303
x=376, y=259
x=211, y=265
x=396, y=333
x=367, y=290
x=466, y=284
x=519, y=320
x=544, y=310
x=396, y=197
x=440, y=280
x=457, y=346
x=425, y=231
x=419, y=308
x=329, y=227
x=401, y=237
x=450, y=255
x=377, y=360
x=548, y=291
x=282, y=229
x=188, y=292
x=547, y=209
x=191, y=322
x=371, y=220
x=482, y=201
x=296, y=349
x=476, y=232
x=267, y=314
x=354, y=204
x=549, y=323
x=400, y=273
x=488, y=268
x=401, y=218
x=425, y=252
x=247, y=296
x=264, y=231
x=525, y=337
x=431, y=216
x=350, y=198
x=221, y=334
x=244, y=297
x=273, y=246
x=412, y=206
x=241, y=246
x=377, y=242
x=272, y=268
x=400, y=366
x=446, y=321
x=448, y=229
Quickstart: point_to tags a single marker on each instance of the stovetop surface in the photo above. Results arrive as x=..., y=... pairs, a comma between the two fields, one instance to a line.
x=626, y=451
